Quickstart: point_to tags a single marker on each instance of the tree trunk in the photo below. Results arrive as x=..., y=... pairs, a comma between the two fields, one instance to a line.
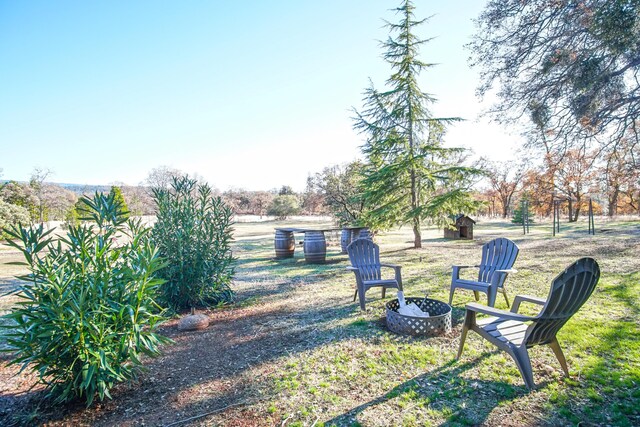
x=417, y=236
x=576, y=214
x=417, y=243
x=415, y=196
x=570, y=210
x=613, y=201
x=549, y=207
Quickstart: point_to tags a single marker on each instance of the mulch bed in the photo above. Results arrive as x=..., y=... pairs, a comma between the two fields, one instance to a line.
x=215, y=371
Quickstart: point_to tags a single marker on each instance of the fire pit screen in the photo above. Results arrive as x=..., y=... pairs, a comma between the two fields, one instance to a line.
x=438, y=322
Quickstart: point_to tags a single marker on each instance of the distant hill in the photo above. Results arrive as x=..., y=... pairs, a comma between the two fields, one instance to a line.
x=77, y=188
x=84, y=189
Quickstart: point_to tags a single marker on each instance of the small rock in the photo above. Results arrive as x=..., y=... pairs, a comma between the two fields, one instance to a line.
x=193, y=322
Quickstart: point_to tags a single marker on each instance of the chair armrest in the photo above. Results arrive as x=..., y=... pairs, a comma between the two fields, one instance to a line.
x=500, y=276
x=526, y=298
x=356, y=272
x=390, y=265
x=491, y=311
x=397, y=272
x=455, y=273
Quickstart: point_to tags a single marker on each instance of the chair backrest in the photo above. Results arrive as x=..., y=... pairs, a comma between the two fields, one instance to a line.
x=365, y=256
x=498, y=254
x=569, y=291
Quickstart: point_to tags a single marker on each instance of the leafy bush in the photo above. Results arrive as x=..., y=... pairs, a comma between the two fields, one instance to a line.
x=284, y=206
x=87, y=310
x=12, y=215
x=193, y=233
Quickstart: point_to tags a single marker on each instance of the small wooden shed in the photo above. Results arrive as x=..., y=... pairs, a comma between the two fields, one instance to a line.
x=463, y=228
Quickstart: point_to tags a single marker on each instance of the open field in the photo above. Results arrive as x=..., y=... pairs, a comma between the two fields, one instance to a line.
x=295, y=350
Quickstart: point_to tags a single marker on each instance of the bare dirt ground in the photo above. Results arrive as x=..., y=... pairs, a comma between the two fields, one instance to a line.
x=218, y=369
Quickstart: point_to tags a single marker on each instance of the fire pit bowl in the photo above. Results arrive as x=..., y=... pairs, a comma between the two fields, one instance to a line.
x=438, y=322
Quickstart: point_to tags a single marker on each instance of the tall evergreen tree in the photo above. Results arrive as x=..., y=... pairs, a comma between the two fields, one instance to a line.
x=410, y=176
x=119, y=200
x=519, y=211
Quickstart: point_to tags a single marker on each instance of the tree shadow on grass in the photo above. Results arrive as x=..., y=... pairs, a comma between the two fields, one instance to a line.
x=607, y=391
x=222, y=366
x=7, y=286
x=443, y=390
x=255, y=260
x=299, y=264
x=626, y=292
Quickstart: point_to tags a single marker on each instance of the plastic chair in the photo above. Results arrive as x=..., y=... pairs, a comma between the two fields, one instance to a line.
x=498, y=257
x=515, y=333
x=365, y=264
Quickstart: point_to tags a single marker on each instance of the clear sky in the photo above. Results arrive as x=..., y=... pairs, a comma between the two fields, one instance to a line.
x=252, y=94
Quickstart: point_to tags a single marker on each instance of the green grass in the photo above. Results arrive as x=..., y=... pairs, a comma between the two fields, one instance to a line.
x=361, y=374
x=345, y=368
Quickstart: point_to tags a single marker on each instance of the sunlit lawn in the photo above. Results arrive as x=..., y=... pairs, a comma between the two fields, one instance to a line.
x=356, y=372
x=340, y=366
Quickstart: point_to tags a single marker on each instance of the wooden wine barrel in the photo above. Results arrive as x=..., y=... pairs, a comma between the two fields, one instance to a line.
x=315, y=247
x=345, y=239
x=364, y=233
x=285, y=244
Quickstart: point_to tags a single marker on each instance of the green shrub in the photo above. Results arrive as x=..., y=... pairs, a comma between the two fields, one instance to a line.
x=284, y=206
x=87, y=311
x=80, y=211
x=193, y=233
x=12, y=215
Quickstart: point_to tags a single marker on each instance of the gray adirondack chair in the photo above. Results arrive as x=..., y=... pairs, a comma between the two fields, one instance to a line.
x=365, y=263
x=498, y=257
x=515, y=333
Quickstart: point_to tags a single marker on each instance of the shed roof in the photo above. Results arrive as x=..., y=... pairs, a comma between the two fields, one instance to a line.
x=462, y=216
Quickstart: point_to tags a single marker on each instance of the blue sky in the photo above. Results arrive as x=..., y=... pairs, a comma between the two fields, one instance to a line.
x=253, y=94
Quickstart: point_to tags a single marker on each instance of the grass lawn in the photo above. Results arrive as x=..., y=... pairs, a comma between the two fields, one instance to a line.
x=295, y=349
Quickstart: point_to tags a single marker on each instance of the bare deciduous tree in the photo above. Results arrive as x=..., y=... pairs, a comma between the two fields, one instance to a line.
x=504, y=179
x=37, y=180
x=572, y=65
x=162, y=176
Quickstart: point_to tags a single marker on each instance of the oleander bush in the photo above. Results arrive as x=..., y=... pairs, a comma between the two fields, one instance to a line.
x=193, y=233
x=87, y=309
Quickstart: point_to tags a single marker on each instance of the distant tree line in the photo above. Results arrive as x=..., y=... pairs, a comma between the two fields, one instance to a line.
x=280, y=203
x=567, y=73
x=572, y=177
x=611, y=179
x=39, y=201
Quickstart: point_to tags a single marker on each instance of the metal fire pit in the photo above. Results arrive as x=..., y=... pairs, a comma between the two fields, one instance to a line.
x=438, y=322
